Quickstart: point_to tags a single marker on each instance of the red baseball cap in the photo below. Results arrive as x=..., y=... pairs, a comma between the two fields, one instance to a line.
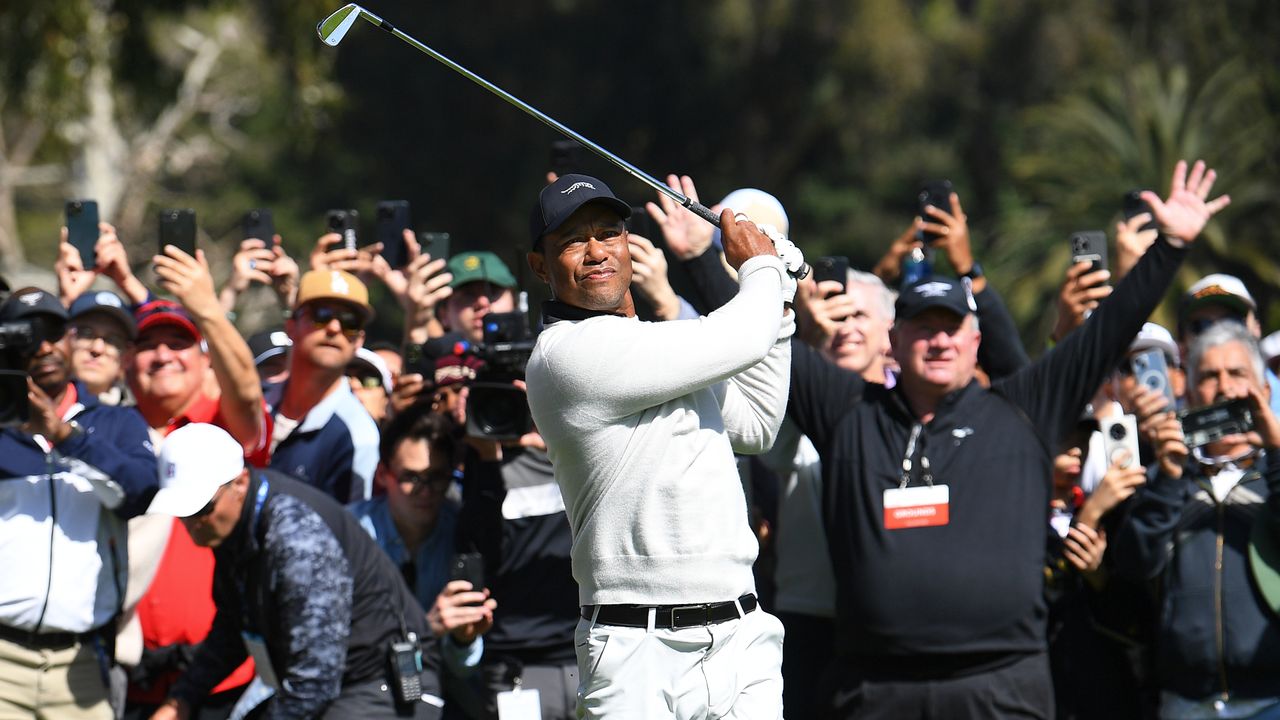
x=164, y=312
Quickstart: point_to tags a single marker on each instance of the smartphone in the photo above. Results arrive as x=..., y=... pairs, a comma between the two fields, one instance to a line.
x=436, y=244
x=178, y=228
x=566, y=156
x=469, y=567
x=1089, y=246
x=392, y=219
x=641, y=224
x=1120, y=433
x=82, y=229
x=1135, y=205
x=1204, y=425
x=1151, y=370
x=832, y=268
x=938, y=194
x=258, y=224
x=344, y=222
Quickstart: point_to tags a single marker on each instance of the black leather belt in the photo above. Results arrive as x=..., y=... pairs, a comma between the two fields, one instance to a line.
x=41, y=641
x=668, y=617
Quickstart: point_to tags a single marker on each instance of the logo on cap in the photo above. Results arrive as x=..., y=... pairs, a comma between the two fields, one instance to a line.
x=280, y=339
x=338, y=284
x=575, y=186
x=471, y=263
x=106, y=298
x=30, y=299
x=933, y=289
x=1213, y=291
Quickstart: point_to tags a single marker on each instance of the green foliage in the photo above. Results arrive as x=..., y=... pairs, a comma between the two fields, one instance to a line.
x=1041, y=113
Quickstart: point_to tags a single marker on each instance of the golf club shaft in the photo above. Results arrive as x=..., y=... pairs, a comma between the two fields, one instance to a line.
x=697, y=208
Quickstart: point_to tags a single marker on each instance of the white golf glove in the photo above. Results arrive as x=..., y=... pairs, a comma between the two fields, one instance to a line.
x=791, y=256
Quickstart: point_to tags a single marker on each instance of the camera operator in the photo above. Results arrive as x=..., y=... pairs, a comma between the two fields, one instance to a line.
x=69, y=477
x=1191, y=529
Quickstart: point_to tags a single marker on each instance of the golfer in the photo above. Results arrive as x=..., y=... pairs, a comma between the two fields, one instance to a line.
x=641, y=422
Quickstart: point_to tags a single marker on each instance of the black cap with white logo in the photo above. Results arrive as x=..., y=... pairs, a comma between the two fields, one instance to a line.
x=935, y=292
x=563, y=197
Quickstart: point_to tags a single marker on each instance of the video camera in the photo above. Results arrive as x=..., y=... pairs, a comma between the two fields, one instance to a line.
x=496, y=408
x=19, y=341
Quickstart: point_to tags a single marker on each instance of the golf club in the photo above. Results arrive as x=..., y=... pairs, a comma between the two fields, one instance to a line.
x=335, y=27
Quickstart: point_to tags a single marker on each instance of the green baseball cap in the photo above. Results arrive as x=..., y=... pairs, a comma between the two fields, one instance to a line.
x=480, y=266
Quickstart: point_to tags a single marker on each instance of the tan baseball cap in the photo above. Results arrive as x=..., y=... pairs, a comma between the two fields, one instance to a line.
x=334, y=285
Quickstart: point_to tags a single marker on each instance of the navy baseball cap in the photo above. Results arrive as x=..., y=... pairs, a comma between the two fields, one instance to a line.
x=934, y=292
x=563, y=197
x=106, y=303
x=32, y=302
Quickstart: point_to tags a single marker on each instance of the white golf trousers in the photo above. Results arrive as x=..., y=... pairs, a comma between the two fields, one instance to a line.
x=728, y=670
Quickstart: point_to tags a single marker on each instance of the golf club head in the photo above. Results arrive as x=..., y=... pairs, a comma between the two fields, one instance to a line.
x=333, y=28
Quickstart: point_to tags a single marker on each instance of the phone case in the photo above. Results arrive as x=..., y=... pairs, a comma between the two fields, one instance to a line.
x=258, y=224
x=938, y=194
x=1089, y=246
x=178, y=228
x=392, y=220
x=82, y=229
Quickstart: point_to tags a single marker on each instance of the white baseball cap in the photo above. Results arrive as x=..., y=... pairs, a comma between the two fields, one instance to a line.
x=1270, y=346
x=1218, y=289
x=365, y=356
x=758, y=205
x=195, y=460
x=1155, y=336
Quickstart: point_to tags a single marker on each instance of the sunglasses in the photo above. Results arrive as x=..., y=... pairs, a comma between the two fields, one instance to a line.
x=368, y=382
x=209, y=506
x=437, y=480
x=351, y=321
x=1199, y=325
x=49, y=329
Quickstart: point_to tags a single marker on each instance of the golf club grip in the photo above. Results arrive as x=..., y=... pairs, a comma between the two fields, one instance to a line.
x=703, y=212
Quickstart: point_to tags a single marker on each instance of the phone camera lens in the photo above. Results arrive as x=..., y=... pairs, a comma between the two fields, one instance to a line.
x=1118, y=432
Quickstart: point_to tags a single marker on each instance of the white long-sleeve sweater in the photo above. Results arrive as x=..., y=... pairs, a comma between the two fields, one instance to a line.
x=641, y=422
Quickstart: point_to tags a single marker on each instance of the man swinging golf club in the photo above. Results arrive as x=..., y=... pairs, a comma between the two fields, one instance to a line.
x=641, y=422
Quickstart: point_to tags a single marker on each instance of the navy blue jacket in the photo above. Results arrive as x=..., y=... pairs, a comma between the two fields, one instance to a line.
x=1216, y=635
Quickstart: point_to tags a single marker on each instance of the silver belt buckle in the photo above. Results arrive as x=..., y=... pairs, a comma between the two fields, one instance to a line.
x=703, y=620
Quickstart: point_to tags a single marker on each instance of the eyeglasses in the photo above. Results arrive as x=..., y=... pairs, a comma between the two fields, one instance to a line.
x=437, y=480
x=83, y=336
x=351, y=321
x=1199, y=325
x=209, y=506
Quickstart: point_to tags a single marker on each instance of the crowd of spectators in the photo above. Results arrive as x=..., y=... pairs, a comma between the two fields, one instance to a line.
x=313, y=522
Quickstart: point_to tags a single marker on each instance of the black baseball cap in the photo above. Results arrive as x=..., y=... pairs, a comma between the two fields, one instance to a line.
x=32, y=302
x=934, y=292
x=563, y=197
x=268, y=344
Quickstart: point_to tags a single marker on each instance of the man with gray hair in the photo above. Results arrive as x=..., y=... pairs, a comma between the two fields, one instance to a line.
x=1193, y=527
x=861, y=340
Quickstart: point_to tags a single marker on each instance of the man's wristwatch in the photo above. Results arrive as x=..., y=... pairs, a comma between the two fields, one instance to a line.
x=975, y=272
x=73, y=429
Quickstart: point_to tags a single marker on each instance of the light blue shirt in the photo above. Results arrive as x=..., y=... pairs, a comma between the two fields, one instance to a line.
x=431, y=563
x=1274, y=382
